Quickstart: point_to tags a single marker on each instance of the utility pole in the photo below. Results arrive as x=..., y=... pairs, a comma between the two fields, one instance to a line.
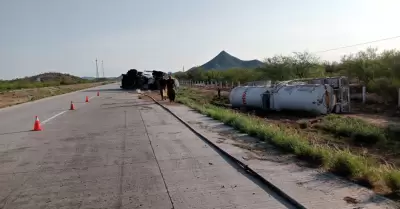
x=102, y=67
x=97, y=70
x=183, y=69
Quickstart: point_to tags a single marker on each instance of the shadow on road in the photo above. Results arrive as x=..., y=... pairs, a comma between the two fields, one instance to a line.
x=79, y=102
x=126, y=104
x=108, y=90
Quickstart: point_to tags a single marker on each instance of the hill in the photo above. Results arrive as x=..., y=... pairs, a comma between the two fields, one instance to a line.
x=41, y=80
x=225, y=61
x=88, y=78
x=53, y=77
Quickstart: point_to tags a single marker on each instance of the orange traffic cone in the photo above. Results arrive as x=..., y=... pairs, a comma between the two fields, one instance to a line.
x=87, y=99
x=72, y=106
x=98, y=93
x=36, y=126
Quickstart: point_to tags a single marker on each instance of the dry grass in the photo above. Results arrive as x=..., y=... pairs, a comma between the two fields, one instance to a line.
x=14, y=97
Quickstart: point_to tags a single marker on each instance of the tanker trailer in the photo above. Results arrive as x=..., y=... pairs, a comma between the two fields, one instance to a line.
x=248, y=96
x=176, y=81
x=318, y=98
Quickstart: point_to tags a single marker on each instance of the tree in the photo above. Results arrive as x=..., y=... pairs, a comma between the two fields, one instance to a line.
x=181, y=75
x=196, y=74
x=306, y=65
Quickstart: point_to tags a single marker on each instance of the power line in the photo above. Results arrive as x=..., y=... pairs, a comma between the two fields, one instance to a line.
x=348, y=46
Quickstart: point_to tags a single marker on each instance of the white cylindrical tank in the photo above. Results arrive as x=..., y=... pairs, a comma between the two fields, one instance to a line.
x=318, y=98
x=176, y=82
x=247, y=96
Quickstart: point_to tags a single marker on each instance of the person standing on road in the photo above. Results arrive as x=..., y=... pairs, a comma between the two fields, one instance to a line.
x=171, y=89
x=161, y=86
x=165, y=91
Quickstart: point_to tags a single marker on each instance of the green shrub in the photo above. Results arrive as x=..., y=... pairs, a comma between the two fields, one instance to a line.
x=361, y=132
x=393, y=132
x=392, y=179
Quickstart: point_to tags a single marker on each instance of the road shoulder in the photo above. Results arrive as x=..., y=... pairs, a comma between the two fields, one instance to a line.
x=311, y=187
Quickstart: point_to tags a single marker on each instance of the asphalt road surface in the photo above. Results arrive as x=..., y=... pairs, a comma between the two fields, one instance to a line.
x=116, y=151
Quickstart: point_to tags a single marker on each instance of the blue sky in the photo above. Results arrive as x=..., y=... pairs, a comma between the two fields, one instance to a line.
x=67, y=35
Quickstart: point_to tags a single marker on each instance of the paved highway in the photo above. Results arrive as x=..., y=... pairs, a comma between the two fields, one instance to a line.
x=116, y=151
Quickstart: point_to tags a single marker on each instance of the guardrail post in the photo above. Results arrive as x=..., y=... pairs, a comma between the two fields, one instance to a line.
x=398, y=98
x=363, y=94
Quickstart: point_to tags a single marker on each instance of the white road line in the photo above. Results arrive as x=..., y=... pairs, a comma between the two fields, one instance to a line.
x=51, y=118
x=54, y=116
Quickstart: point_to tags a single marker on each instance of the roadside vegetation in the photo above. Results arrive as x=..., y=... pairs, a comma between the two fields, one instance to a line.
x=364, y=152
x=27, y=89
x=378, y=71
x=349, y=147
x=14, y=97
x=44, y=80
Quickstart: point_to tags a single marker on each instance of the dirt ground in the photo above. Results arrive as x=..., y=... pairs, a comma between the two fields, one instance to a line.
x=9, y=98
x=381, y=115
x=157, y=97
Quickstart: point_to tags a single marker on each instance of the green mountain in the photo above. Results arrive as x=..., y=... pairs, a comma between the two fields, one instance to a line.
x=225, y=61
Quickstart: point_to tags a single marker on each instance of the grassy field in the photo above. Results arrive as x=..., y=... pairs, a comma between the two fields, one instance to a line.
x=43, y=85
x=13, y=97
x=349, y=147
x=49, y=79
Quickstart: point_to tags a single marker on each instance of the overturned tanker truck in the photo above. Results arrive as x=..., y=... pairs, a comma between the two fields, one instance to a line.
x=134, y=79
x=319, y=95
